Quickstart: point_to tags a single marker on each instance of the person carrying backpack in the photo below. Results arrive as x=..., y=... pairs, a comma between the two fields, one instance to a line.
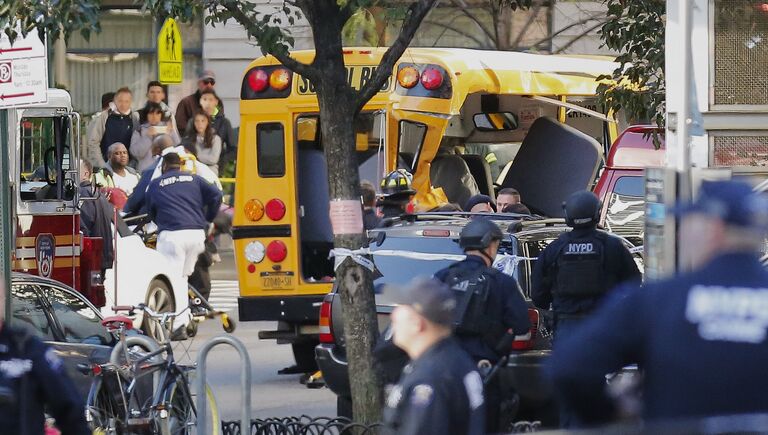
x=575, y=272
x=488, y=303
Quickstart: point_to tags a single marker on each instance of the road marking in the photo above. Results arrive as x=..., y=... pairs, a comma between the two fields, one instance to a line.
x=224, y=294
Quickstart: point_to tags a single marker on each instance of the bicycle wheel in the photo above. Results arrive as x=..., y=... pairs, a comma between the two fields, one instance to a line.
x=181, y=415
x=104, y=414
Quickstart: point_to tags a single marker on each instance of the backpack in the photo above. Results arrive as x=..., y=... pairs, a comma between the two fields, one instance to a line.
x=581, y=267
x=472, y=289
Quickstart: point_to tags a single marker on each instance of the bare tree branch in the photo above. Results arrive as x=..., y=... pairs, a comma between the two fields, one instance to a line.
x=464, y=7
x=449, y=26
x=531, y=19
x=256, y=31
x=417, y=11
x=579, y=36
x=552, y=36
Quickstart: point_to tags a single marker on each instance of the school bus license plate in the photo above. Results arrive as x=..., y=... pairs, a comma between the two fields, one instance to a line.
x=277, y=280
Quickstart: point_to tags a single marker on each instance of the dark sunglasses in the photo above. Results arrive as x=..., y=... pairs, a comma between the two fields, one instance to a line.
x=209, y=81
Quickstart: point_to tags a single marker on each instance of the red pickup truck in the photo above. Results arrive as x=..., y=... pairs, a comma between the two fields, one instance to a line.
x=621, y=184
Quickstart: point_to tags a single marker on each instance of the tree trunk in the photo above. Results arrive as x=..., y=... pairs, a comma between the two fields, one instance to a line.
x=355, y=287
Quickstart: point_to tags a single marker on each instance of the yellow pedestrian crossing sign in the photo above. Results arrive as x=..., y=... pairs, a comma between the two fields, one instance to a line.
x=170, y=65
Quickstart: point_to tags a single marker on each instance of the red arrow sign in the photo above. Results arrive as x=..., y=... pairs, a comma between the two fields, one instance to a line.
x=26, y=94
x=9, y=50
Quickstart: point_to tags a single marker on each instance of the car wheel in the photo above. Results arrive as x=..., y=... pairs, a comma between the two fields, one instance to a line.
x=159, y=299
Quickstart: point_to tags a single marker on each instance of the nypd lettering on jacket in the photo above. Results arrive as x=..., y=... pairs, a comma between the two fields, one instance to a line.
x=734, y=314
x=176, y=179
x=580, y=248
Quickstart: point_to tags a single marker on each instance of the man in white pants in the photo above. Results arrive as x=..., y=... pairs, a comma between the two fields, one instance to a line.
x=182, y=205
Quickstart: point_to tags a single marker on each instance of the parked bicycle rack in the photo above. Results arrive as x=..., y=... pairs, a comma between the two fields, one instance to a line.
x=245, y=380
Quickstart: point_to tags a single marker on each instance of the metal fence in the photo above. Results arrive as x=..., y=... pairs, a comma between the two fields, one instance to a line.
x=306, y=425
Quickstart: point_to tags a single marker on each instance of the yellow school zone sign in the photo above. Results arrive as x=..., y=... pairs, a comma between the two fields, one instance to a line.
x=170, y=65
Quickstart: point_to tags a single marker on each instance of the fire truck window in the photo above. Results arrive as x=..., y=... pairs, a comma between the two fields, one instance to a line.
x=270, y=149
x=79, y=322
x=28, y=312
x=38, y=158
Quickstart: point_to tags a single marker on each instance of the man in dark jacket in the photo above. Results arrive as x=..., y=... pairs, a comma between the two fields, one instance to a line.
x=182, y=205
x=368, y=193
x=33, y=381
x=115, y=124
x=190, y=104
x=96, y=214
x=699, y=336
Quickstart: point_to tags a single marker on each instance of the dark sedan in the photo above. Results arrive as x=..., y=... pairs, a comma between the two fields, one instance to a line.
x=64, y=319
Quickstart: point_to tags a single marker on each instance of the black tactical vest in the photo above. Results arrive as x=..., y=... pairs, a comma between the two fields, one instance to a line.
x=581, y=267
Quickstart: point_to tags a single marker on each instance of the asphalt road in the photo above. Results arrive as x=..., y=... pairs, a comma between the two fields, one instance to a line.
x=272, y=395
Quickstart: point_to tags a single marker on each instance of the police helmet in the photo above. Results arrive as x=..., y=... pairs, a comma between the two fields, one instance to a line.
x=397, y=183
x=478, y=234
x=582, y=209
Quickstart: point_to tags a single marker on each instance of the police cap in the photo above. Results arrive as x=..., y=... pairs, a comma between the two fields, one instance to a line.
x=582, y=209
x=429, y=297
x=478, y=234
x=733, y=202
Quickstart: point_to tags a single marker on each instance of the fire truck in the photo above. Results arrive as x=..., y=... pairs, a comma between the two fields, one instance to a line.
x=43, y=142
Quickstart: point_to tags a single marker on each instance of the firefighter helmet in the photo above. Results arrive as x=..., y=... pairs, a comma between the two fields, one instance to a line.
x=397, y=183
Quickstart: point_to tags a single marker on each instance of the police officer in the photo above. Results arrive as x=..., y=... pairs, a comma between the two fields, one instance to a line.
x=182, y=205
x=32, y=377
x=489, y=303
x=397, y=193
x=440, y=392
x=701, y=335
x=575, y=271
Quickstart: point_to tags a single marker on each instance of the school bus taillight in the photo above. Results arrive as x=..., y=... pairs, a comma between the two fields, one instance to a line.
x=408, y=77
x=277, y=251
x=275, y=209
x=254, y=252
x=431, y=79
x=280, y=79
x=254, y=210
x=258, y=80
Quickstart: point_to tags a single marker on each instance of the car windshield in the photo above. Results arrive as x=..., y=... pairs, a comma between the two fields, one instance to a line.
x=399, y=270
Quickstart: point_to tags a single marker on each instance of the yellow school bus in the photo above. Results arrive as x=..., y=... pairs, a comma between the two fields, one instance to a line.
x=431, y=105
x=282, y=231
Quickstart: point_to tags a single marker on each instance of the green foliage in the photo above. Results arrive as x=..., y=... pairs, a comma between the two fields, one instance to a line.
x=52, y=17
x=635, y=29
x=362, y=21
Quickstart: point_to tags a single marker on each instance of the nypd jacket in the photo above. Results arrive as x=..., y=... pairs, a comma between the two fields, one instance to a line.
x=701, y=338
x=505, y=304
x=182, y=201
x=32, y=378
x=618, y=266
x=439, y=393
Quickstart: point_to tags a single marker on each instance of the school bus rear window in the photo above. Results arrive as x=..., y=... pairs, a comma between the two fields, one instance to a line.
x=270, y=149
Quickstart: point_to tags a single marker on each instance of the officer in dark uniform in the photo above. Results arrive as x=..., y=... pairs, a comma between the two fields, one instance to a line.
x=490, y=305
x=576, y=271
x=32, y=378
x=440, y=392
x=397, y=193
x=701, y=335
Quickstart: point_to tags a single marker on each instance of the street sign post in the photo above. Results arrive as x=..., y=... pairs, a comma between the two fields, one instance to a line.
x=23, y=71
x=170, y=65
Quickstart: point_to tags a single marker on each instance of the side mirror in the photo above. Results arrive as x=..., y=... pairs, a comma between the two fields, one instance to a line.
x=498, y=121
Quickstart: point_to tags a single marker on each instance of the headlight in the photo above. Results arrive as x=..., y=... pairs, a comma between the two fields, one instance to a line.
x=254, y=252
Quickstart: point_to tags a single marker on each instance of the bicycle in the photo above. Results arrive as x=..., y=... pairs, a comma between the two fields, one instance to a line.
x=142, y=389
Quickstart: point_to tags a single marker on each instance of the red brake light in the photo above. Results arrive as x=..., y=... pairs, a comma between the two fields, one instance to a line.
x=258, y=80
x=525, y=342
x=431, y=79
x=277, y=251
x=326, y=333
x=96, y=369
x=436, y=233
x=275, y=209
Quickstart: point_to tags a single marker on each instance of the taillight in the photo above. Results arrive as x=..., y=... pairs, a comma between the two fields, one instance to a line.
x=96, y=370
x=431, y=79
x=326, y=332
x=277, y=251
x=254, y=251
x=254, y=210
x=258, y=80
x=280, y=79
x=275, y=209
x=408, y=77
x=526, y=342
